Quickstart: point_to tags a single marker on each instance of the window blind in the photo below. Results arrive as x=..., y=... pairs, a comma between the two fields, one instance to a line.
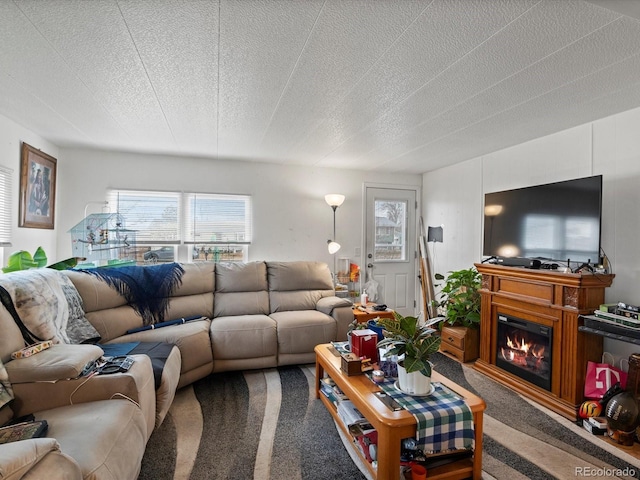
x=155, y=216
x=217, y=219
x=5, y=207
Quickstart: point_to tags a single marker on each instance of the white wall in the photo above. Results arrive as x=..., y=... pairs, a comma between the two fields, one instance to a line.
x=291, y=219
x=453, y=196
x=11, y=137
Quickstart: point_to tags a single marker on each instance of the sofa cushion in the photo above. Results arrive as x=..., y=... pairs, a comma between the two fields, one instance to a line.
x=298, y=285
x=192, y=338
x=56, y=363
x=300, y=331
x=241, y=289
x=243, y=336
x=106, y=438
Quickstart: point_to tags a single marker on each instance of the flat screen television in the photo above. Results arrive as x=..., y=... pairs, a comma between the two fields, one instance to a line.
x=553, y=222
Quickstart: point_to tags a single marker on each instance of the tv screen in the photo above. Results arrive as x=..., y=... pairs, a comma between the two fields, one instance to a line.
x=556, y=221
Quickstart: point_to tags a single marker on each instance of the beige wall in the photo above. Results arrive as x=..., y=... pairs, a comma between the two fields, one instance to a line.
x=11, y=137
x=291, y=220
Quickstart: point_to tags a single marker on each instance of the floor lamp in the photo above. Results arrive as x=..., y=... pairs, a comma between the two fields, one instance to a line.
x=334, y=200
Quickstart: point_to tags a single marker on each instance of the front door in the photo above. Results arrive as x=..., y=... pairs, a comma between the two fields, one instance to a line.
x=390, y=247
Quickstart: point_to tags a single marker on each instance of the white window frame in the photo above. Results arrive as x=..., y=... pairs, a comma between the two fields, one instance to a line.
x=5, y=207
x=237, y=236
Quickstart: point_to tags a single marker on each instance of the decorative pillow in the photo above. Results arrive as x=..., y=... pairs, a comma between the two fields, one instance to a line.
x=79, y=329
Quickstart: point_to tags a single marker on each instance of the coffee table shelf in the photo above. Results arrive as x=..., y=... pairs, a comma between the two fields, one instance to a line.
x=393, y=426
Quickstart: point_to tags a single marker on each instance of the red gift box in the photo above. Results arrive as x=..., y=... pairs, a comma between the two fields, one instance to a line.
x=364, y=344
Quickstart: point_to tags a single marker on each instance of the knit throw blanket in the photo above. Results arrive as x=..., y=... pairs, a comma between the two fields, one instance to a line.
x=146, y=288
x=42, y=299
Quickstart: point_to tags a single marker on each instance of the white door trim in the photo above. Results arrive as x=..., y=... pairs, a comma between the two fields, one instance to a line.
x=418, y=192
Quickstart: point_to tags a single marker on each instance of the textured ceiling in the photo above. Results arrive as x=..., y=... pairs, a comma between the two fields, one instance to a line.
x=381, y=85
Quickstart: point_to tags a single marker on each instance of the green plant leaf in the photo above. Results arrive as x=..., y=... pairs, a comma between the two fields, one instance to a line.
x=40, y=257
x=460, y=299
x=20, y=260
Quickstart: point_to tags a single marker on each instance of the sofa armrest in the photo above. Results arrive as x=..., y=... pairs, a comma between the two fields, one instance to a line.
x=341, y=310
x=327, y=304
x=56, y=363
x=37, y=457
x=136, y=384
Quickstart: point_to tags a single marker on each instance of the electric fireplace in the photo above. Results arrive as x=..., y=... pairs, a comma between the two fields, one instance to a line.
x=550, y=299
x=524, y=349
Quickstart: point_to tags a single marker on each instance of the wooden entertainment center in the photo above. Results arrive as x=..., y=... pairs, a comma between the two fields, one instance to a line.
x=551, y=299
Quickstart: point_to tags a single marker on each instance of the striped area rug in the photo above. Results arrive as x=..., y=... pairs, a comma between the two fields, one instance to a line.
x=262, y=424
x=267, y=424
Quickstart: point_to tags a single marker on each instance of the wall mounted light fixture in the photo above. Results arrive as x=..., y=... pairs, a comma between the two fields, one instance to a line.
x=334, y=200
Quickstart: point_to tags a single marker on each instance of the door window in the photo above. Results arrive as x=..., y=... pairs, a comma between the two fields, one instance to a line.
x=390, y=230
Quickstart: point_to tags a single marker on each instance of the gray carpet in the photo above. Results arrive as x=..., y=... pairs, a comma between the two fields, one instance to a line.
x=267, y=424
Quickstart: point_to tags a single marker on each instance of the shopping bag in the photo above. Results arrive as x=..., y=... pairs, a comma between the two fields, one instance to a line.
x=602, y=376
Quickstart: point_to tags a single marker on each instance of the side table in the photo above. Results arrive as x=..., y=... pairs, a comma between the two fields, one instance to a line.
x=370, y=313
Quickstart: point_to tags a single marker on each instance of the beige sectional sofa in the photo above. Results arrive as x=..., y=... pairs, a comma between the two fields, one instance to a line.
x=254, y=315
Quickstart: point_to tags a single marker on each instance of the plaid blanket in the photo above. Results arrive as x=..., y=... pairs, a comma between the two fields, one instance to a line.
x=443, y=420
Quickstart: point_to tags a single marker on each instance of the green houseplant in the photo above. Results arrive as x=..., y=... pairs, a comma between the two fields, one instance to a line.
x=405, y=336
x=460, y=298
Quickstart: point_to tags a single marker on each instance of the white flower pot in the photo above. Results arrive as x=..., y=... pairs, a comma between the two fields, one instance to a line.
x=414, y=383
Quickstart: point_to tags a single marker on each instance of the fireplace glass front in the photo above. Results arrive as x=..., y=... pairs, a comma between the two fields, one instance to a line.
x=524, y=349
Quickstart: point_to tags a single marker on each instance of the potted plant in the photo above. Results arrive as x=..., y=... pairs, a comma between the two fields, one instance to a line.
x=414, y=344
x=460, y=298
x=459, y=304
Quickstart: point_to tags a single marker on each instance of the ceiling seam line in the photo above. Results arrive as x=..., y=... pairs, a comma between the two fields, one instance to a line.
x=411, y=94
x=341, y=99
x=511, y=107
x=497, y=84
x=76, y=75
x=146, y=72
x=218, y=86
x=292, y=71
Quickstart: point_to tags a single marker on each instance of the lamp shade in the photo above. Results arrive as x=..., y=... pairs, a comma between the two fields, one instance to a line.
x=333, y=247
x=334, y=199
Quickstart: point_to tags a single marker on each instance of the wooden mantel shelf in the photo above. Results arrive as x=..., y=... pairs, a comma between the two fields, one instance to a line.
x=553, y=299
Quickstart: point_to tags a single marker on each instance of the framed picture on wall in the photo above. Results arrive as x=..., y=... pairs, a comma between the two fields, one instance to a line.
x=37, y=188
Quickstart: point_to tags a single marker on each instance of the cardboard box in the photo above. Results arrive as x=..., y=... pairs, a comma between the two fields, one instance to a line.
x=364, y=344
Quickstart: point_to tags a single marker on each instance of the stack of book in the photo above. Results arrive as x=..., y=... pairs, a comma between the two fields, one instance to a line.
x=620, y=313
x=330, y=390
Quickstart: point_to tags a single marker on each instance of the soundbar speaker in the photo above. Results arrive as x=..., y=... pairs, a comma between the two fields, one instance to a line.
x=519, y=262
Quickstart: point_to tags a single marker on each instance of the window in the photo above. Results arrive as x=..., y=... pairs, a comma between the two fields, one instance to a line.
x=391, y=230
x=217, y=219
x=216, y=227
x=153, y=215
x=5, y=207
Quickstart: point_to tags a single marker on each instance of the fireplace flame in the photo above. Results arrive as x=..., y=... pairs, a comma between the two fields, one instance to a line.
x=520, y=351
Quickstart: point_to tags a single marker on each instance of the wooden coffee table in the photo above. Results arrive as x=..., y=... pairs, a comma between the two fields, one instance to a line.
x=392, y=426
